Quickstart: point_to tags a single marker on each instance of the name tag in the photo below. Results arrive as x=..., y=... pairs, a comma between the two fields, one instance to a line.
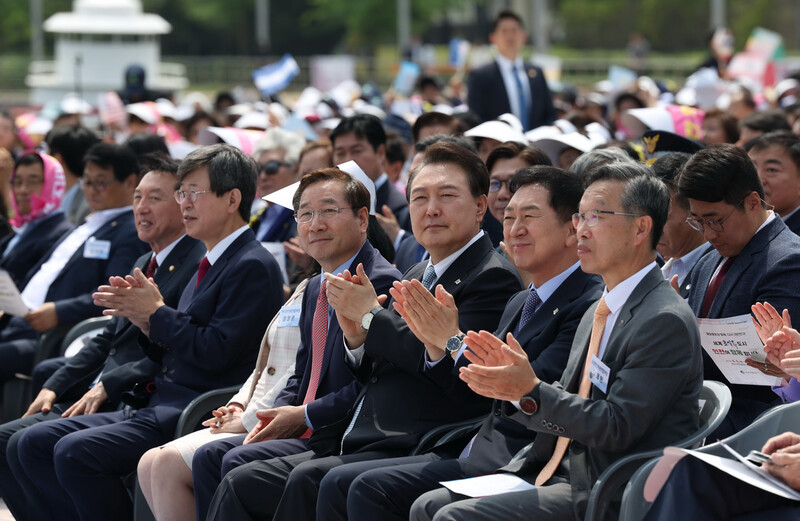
x=289, y=316
x=94, y=249
x=598, y=373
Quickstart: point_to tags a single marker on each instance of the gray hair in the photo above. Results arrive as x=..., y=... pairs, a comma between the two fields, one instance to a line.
x=291, y=143
x=228, y=168
x=593, y=159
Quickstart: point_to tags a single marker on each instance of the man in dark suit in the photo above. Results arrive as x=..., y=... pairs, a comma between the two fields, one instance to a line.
x=338, y=242
x=543, y=319
x=680, y=244
x=112, y=362
x=211, y=340
x=508, y=84
x=447, y=202
x=58, y=290
x=756, y=258
x=777, y=159
x=361, y=138
x=633, y=376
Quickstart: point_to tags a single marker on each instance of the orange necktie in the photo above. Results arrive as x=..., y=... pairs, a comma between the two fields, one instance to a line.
x=598, y=325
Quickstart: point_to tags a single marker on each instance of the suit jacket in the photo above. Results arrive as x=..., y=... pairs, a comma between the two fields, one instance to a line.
x=686, y=287
x=212, y=339
x=654, y=358
x=73, y=287
x=481, y=282
x=338, y=386
x=36, y=240
x=408, y=253
x=547, y=339
x=390, y=196
x=116, y=350
x=283, y=228
x=767, y=269
x=487, y=96
x=793, y=223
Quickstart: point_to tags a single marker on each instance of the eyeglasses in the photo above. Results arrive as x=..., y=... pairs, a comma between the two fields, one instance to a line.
x=326, y=214
x=495, y=185
x=182, y=195
x=97, y=185
x=713, y=224
x=272, y=167
x=18, y=182
x=592, y=217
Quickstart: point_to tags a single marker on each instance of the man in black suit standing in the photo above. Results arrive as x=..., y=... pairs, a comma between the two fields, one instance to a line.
x=112, y=362
x=407, y=389
x=508, y=84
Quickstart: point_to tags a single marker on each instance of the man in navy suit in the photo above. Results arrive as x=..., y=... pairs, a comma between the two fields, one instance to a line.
x=332, y=211
x=756, y=258
x=211, y=340
x=777, y=159
x=362, y=139
x=59, y=289
x=406, y=393
x=97, y=377
x=508, y=84
x=543, y=319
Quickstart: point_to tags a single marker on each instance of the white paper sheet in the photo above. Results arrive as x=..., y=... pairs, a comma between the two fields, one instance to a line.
x=488, y=485
x=278, y=250
x=10, y=298
x=729, y=341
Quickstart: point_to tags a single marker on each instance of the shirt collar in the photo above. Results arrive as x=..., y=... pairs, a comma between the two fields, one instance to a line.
x=380, y=180
x=217, y=251
x=103, y=216
x=346, y=264
x=162, y=255
x=441, y=266
x=508, y=64
x=617, y=297
x=550, y=287
x=785, y=217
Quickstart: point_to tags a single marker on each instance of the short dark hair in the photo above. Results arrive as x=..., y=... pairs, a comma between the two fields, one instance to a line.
x=395, y=148
x=119, y=158
x=71, y=142
x=506, y=14
x=355, y=193
x=157, y=162
x=564, y=187
x=720, y=173
x=730, y=125
x=643, y=194
x=228, y=168
x=145, y=143
x=362, y=126
x=667, y=168
x=31, y=158
x=765, y=121
x=787, y=141
x=464, y=142
x=510, y=149
x=469, y=162
x=432, y=119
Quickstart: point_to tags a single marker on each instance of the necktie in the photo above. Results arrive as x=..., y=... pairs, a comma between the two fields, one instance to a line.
x=598, y=325
x=523, y=100
x=714, y=285
x=202, y=270
x=429, y=277
x=528, y=309
x=319, y=334
x=151, y=268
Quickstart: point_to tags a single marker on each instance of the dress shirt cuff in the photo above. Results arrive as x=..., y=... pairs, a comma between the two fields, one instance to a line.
x=353, y=357
x=308, y=421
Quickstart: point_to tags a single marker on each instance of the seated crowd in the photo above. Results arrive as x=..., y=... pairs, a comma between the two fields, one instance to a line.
x=550, y=311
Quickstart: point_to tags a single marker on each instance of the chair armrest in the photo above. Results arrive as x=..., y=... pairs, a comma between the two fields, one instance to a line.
x=200, y=408
x=444, y=433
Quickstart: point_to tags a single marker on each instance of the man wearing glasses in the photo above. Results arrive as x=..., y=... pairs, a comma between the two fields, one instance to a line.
x=756, y=258
x=58, y=290
x=209, y=341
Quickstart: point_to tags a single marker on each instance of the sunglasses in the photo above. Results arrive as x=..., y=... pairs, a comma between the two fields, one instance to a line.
x=272, y=167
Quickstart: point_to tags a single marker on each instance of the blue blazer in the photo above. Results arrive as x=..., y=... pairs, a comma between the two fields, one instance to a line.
x=337, y=388
x=73, y=287
x=116, y=350
x=793, y=223
x=487, y=96
x=283, y=228
x=767, y=269
x=390, y=196
x=36, y=240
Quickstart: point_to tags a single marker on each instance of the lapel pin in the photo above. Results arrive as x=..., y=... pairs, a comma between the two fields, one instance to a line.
x=172, y=267
x=555, y=311
x=458, y=281
x=688, y=286
x=113, y=223
x=532, y=73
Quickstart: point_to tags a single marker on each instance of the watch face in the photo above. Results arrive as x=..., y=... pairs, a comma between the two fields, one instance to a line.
x=453, y=343
x=528, y=405
x=366, y=320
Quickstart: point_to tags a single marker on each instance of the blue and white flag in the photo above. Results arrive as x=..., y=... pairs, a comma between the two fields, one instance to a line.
x=275, y=77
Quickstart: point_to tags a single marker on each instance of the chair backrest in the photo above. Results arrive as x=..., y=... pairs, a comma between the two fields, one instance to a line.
x=715, y=401
x=81, y=332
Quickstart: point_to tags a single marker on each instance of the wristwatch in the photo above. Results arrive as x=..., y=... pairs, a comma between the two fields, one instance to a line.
x=453, y=343
x=529, y=403
x=366, y=320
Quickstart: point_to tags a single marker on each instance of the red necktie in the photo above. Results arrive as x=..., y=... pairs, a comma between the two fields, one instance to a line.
x=202, y=270
x=151, y=268
x=319, y=334
x=714, y=285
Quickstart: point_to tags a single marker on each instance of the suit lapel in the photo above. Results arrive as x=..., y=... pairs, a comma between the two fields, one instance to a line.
x=647, y=284
x=219, y=266
x=464, y=264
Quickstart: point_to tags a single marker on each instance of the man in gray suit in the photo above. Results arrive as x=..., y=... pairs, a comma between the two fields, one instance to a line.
x=632, y=379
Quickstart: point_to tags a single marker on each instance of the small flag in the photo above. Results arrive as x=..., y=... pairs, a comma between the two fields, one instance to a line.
x=275, y=77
